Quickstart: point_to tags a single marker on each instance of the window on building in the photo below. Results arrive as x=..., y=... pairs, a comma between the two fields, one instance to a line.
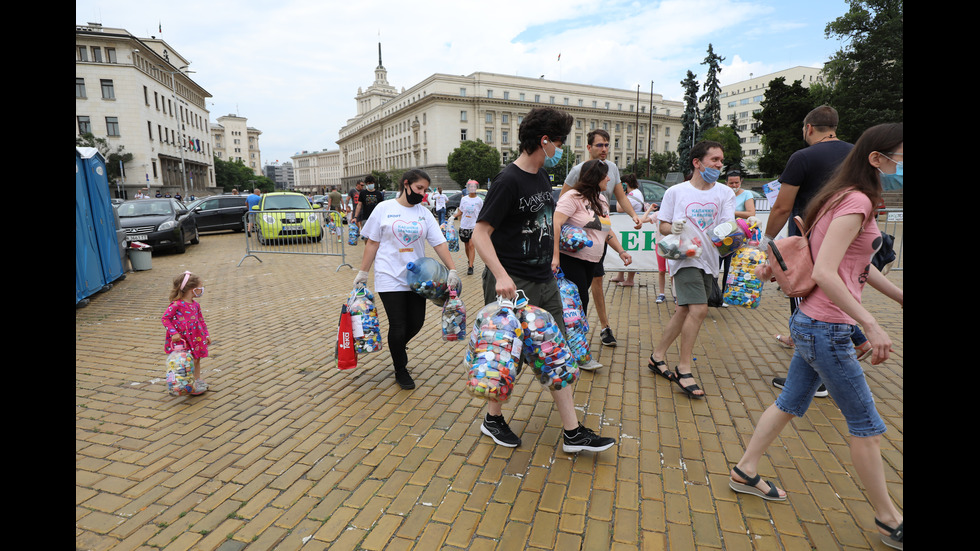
x=80, y=88
x=537, y=98
x=490, y=118
x=84, y=125
x=462, y=116
x=96, y=54
x=522, y=96
x=112, y=126
x=490, y=93
x=504, y=137
x=462, y=134
x=82, y=53
x=108, y=92
x=149, y=129
x=489, y=136
x=505, y=118
x=506, y=95
x=110, y=54
x=462, y=92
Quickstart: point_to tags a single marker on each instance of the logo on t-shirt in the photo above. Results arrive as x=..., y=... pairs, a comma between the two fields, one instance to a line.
x=701, y=214
x=406, y=232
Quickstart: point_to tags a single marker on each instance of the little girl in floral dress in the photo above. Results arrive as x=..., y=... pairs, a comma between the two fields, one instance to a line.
x=185, y=324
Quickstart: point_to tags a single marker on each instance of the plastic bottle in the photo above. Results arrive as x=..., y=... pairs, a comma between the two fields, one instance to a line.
x=545, y=348
x=729, y=236
x=452, y=239
x=493, y=351
x=453, y=318
x=352, y=233
x=572, y=239
x=427, y=277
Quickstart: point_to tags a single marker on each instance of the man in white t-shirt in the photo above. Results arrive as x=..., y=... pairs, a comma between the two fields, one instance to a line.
x=598, y=148
x=468, y=213
x=698, y=205
x=439, y=202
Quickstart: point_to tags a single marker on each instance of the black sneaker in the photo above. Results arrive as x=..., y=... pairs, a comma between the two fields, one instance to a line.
x=469, y=271
x=583, y=439
x=404, y=379
x=607, y=337
x=496, y=428
x=780, y=383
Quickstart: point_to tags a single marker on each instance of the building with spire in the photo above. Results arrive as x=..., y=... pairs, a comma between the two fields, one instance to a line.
x=420, y=126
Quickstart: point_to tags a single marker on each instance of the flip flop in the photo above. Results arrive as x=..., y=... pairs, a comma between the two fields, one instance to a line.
x=749, y=486
x=781, y=342
x=895, y=535
x=654, y=366
x=690, y=388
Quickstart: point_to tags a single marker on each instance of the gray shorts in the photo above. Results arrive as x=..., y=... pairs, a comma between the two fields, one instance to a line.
x=693, y=286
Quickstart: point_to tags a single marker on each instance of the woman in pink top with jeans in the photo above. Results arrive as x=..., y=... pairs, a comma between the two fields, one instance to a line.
x=843, y=241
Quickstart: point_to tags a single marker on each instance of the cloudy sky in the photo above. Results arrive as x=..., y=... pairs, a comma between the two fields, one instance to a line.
x=292, y=67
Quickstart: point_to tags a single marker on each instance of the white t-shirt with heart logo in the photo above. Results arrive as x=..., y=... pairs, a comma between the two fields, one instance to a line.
x=401, y=233
x=702, y=209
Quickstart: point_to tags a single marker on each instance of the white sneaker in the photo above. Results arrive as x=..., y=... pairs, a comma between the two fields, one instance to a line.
x=592, y=365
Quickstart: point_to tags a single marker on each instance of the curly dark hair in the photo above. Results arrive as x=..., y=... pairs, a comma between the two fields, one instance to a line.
x=540, y=122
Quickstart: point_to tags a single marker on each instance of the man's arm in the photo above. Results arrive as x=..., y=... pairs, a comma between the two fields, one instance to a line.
x=484, y=247
x=779, y=212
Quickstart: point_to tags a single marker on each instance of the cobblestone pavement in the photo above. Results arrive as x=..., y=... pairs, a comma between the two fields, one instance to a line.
x=287, y=452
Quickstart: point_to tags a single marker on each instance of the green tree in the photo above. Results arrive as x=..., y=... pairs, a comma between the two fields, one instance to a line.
x=654, y=168
x=711, y=114
x=781, y=123
x=234, y=174
x=112, y=157
x=689, y=121
x=728, y=138
x=866, y=77
x=473, y=160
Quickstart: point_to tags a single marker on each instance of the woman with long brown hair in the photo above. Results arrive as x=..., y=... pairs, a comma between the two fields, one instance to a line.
x=845, y=236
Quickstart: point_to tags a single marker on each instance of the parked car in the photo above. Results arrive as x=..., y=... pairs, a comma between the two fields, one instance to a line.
x=287, y=214
x=160, y=223
x=221, y=212
x=653, y=192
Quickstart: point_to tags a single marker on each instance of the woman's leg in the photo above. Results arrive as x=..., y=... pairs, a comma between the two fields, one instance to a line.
x=406, y=314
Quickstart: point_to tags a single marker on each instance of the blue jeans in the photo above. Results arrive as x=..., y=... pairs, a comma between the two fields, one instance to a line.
x=441, y=213
x=824, y=352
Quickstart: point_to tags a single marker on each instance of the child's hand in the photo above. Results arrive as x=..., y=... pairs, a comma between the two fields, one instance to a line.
x=207, y=340
x=175, y=338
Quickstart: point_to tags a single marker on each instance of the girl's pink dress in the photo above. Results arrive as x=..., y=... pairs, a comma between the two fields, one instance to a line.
x=186, y=318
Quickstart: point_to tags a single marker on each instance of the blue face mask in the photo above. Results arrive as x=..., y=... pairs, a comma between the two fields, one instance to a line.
x=710, y=175
x=551, y=162
x=892, y=182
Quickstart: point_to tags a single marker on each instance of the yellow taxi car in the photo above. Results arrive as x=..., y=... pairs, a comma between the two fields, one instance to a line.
x=287, y=215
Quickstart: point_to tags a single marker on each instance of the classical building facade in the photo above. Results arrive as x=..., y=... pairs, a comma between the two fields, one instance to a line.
x=235, y=140
x=741, y=100
x=420, y=126
x=136, y=93
x=316, y=172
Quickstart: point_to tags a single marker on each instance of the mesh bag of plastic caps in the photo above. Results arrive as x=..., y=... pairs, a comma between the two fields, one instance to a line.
x=493, y=351
x=364, y=320
x=743, y=288
x=576, y=324
x=572, y=239
x=180, y=372
x=453, y=318
x=678, y=246
x=545, y=348
x=729, y=236
x=452, y=239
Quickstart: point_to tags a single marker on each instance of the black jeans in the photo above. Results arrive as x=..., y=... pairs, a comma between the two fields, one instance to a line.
x=406, y=315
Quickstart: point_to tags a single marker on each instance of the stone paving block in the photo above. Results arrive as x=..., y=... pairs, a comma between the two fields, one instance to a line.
x=287, y=452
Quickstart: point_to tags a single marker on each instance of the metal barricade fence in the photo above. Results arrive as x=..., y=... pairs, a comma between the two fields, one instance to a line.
x=302, y=232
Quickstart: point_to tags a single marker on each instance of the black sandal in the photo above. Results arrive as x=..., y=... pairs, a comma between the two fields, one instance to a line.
x=655, y=366
x=895, y=535
x=750, y=486
x=688, y=389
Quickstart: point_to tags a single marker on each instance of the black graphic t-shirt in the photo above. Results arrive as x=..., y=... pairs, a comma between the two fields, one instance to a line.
x=520, y=207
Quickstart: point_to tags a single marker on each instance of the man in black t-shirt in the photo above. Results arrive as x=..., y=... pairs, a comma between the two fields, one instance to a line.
x=367, y=200
x=514, y=235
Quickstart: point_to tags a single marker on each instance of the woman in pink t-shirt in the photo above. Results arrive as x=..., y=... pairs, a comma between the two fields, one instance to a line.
x=584, y=206
x=845, y=236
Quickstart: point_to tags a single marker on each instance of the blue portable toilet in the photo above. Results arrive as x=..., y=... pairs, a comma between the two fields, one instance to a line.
x=97, y=258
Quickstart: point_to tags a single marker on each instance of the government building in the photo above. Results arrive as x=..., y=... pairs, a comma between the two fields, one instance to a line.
x=421, y=125
x=136, y=93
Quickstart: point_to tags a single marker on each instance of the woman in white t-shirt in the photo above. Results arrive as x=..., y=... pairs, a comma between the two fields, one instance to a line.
x=396, y=233
x=468, y=211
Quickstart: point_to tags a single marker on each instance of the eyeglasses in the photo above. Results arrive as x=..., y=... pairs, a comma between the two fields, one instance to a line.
x=600, y=145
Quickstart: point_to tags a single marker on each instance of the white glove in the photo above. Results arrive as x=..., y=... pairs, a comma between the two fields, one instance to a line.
x=453, y=280
x=677, y=226
x=764, y=242
x=361, y=278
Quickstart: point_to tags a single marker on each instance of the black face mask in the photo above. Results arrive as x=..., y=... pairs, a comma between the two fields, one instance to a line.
x=413, y=198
